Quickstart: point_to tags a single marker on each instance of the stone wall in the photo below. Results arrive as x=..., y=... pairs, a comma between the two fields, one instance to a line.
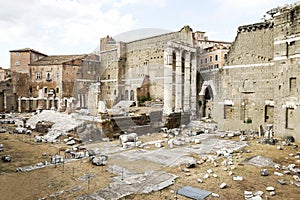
x=247, y=81
x=287, y=61
x=145, y=57
x=109, y=68
x=246, y=92
x=253, y=44
x=125, y=68
x=259, y=83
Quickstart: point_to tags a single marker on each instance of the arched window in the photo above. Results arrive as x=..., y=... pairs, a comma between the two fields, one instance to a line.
x=48, y=76
x=126, y=94
x=131, y=95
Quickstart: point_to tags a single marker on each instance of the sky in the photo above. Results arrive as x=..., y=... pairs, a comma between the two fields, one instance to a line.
x=63, y=27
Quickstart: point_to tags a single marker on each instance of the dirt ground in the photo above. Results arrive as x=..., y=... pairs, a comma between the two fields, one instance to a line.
x=252, y=180
x=64, y=181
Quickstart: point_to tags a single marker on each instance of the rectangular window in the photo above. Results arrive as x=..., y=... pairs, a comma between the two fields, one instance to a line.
x=210, y=58
x=290, y=48
x=45, y=90
x=216, y=66
x=38, y=75
x=57, y=74
x=228, y=114
x=289, y=118
x=17, y=54
x=17, y=62
x=205, y=60
x=293, y=85
x=216, y=57
x=269, y=114
x=57, y=90
x=201, y=61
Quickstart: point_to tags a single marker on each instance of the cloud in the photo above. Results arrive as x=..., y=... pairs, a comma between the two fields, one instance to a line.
x=222, y=20
x=65, y=23
x=152, y=3
x=72, y=26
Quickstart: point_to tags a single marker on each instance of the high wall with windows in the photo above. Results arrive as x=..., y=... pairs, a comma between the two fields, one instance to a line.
x=126, y=69
x=258, y=85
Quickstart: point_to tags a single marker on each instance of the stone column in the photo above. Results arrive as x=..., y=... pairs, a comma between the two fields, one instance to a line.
x=193, y=97
x=168, y=81
x=4, y=102
x=47, y=104
x=19, y=104
x=178, y=83
x=27, y=106
x=187, y=83
x=53, y=103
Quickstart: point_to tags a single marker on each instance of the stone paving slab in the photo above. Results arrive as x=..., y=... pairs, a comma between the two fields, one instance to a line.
x=171, y=157
x=134, y=184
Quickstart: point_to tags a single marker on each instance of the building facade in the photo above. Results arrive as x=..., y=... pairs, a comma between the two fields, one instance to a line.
x=212, y=53
x=259, y=86
x=44, y=82
x=167, y=63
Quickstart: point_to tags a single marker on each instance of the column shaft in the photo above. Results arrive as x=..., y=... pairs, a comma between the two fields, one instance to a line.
x=178, y=83
x=168, y=81
x=194, y=86
x=187, y=83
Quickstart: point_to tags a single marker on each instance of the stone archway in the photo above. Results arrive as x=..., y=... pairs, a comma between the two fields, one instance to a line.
x=207, y=106
x=206, y=97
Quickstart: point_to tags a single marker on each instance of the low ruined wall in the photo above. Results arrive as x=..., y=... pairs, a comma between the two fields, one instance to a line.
x=175, y=120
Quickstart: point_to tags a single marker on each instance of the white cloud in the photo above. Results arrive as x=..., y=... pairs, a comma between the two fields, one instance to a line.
x=72, y=26
x=156, y=3
x=60, y=23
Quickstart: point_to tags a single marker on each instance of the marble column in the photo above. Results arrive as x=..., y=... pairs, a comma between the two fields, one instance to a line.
x=168, y=81
x=187, y=83
x=193, y=97
x=178, y=82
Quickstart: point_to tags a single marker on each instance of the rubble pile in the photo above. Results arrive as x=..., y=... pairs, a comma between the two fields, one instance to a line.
x=62, y=123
